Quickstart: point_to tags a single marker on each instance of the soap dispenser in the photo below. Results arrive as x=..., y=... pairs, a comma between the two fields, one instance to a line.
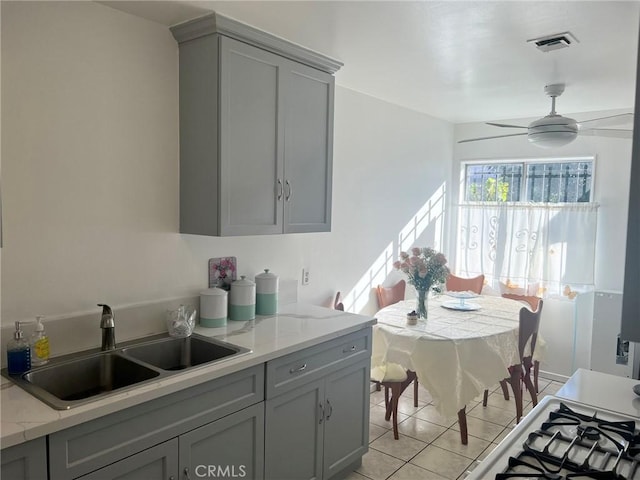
x=18, y=353
x=39, y=344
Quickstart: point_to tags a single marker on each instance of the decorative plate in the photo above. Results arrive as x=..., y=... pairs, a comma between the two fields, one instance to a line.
x=467, y=306
x=463, y=295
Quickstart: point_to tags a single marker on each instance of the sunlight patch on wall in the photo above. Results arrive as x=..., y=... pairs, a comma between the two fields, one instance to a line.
x=431, y=213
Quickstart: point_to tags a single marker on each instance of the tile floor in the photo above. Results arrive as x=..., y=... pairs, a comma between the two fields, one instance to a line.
x=429, y=447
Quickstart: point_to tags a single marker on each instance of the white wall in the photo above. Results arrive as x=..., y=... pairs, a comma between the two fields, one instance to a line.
x=611, y=190
x=90, y=172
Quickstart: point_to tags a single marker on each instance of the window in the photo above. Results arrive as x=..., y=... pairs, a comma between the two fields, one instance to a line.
x=567, y=181
x=529, y=226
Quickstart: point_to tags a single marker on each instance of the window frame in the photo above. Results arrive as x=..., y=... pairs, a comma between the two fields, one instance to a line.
x=523, y=184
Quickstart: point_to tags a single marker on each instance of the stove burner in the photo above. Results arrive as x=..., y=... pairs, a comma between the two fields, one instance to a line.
x=572, y=445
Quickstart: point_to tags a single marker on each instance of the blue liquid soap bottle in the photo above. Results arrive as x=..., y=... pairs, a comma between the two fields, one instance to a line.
x=18, y=353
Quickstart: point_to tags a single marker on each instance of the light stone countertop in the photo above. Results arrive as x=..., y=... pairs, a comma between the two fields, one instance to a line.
x=296, y=327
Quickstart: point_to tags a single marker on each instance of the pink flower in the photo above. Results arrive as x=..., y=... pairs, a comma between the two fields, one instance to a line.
x=397, y=265
x=440, y=259
x=404, y=255
x=416, y=251
x=413, y=260
x=422, y=272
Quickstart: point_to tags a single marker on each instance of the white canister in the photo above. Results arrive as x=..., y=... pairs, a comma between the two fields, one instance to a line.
x=242, y=300
x=266, y=293
x=213, y=308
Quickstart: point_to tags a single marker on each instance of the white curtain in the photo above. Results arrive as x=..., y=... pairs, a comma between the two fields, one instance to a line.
x=543, y=249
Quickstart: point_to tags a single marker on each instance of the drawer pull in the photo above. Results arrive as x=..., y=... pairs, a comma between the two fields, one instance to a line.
x=299, y=369
x=320, y=412
x=330, y=408
x=186, y=473
x=347, y=350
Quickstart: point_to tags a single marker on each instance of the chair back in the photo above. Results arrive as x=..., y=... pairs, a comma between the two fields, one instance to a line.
x=459, y=284
x=530, y=299
x=390, y=295
x=529, y=325
x=337, y=303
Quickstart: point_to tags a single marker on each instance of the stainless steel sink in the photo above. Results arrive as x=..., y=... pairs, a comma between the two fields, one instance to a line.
x=84, y=377
x=182, y=353
x=89, y=376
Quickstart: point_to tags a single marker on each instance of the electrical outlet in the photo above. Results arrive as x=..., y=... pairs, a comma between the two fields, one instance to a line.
x=305, y=276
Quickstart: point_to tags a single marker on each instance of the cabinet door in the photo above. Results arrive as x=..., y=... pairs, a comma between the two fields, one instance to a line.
x=308, y=149
x=346, y=428
x=293, y=434
x=159, y=462
x=251, y=147
x=232, y=447
x=27, y=461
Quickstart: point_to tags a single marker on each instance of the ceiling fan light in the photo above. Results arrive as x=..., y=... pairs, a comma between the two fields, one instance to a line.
x=552, y=139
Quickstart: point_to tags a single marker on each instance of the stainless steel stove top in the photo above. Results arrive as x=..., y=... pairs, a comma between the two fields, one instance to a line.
x=562, y=439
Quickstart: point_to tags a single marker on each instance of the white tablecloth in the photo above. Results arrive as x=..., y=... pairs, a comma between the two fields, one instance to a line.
x=456, y=354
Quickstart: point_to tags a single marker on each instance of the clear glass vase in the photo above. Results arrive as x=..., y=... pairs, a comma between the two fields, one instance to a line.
x=422, y=303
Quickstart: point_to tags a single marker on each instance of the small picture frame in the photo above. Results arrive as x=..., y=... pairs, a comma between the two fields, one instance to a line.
x=222, y=272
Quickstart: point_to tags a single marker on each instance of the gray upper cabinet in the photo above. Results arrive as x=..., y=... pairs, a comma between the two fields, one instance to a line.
x=256, y=131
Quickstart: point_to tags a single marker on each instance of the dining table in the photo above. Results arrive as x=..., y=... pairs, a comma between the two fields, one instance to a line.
x=464, y=346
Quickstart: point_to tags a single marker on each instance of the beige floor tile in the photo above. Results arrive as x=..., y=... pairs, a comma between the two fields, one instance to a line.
x=493, y=414
x=496, y=399
x=481, y=428
x=355, y=476
x=405, y=448
x=552, y=388
x=430, y=414
x=420, y=429
x=376, y=431
x=542, y=383
x=377, y=398
x=423, y=394
x=377, y=413
x=447, y=464
x=405, y=405
x=413, y=472
x=487, y=451
x=378, y=466
x=450, y=440
x=503, y=434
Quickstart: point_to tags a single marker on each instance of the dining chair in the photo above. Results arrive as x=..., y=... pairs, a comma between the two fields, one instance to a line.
x=533, y=302
x=521, y=373
x=390, y=295
x=460, y=284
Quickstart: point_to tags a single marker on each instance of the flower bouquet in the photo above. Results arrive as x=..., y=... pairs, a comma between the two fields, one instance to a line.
x=426, y=270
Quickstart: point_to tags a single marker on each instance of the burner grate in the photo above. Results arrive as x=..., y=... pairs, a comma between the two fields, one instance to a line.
x=574, y=445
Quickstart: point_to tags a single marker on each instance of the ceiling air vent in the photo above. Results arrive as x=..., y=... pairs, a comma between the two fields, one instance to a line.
x=554, y=42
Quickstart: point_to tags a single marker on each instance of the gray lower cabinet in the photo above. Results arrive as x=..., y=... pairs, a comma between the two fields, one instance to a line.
x=232, y=447
x=256, y=131
x=27, y=461
x=317, y=421
x=208, y=421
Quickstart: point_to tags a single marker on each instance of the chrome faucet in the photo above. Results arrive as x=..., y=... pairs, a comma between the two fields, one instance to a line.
x=108, y=327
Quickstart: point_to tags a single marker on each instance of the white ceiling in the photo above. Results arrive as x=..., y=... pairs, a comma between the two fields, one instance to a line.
x=456, y=60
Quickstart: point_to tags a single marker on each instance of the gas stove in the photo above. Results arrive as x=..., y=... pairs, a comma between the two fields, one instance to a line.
x=563, y=439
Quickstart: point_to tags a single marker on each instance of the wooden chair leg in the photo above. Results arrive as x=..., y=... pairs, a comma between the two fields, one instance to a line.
x=462, y=422
x=485, y=398
x=505, y=389
x=415, y=392
x=516, y=376
x=386, y=397
x=392, y=410
x=536, y=370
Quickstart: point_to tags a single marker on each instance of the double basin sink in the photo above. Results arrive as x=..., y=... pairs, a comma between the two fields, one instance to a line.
x=84, y=377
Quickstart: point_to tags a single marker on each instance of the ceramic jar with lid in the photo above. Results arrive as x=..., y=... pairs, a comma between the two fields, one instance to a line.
x=242, y=300
x=213, y=308
x=266, y=293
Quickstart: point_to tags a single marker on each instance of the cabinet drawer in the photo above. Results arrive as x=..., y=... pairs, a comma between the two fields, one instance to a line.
x=81, y=449
x=295, y=369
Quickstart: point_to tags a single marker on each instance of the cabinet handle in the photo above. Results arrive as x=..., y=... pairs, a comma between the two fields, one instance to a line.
x=186, y=473
x=289, y=190
x=172, y=477
x=347, y=350
x=320, y=412
x=279, y=189
x=330, y=408
x=299, y=369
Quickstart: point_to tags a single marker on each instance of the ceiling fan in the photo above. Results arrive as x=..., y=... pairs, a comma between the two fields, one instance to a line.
x=555, y=130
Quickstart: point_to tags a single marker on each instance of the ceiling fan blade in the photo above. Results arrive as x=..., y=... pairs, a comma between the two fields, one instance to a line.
x=505, y=125
x=488, y=138
x=608, y=132
x=606, y=121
